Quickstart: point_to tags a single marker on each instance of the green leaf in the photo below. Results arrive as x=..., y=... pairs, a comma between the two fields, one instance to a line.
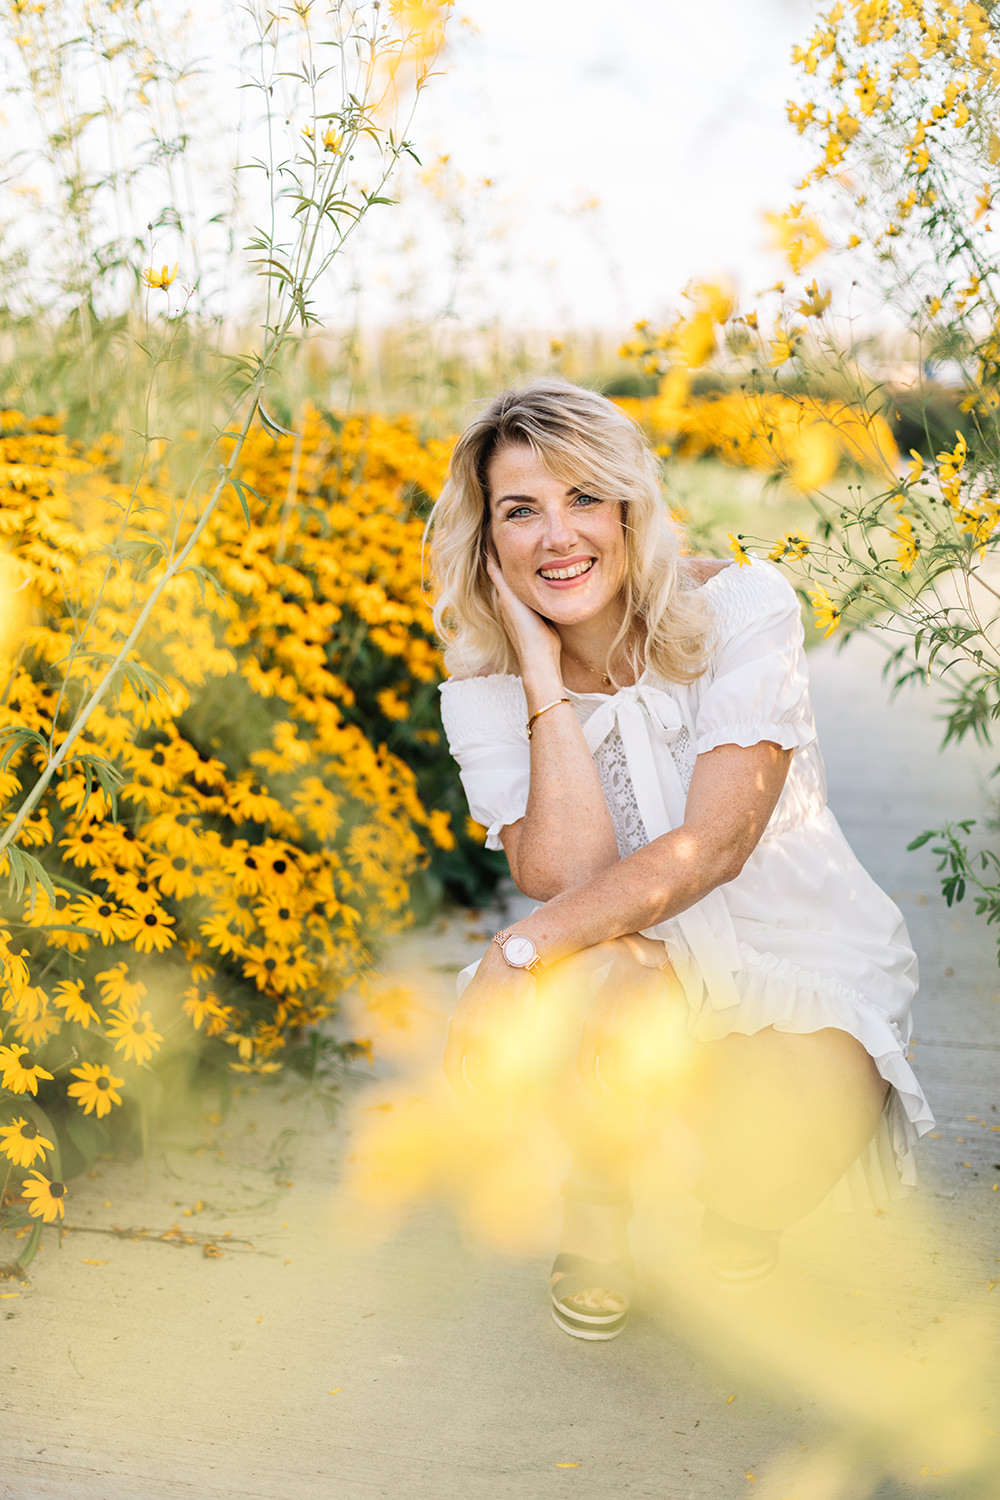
x=18, y=735
x=922, y=838
x=25, y=869
x=273, y=427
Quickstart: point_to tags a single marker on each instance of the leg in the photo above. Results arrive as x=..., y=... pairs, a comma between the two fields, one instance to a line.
x=779, y=1117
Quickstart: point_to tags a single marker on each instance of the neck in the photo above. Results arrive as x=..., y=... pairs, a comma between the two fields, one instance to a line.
x=586, y=647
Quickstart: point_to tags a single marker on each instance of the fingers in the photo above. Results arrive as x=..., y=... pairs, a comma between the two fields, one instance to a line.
x=453, y=1061
x=588, y=1057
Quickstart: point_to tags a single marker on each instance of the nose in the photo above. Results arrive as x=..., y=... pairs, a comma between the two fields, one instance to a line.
x=559, y=530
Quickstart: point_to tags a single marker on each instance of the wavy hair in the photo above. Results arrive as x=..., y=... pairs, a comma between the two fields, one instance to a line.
x=586, y=441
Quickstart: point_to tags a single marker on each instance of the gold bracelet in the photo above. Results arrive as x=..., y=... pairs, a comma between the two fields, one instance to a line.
x=539, y=711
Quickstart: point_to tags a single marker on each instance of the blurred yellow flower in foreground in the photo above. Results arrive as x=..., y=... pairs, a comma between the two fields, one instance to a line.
x=797, y=235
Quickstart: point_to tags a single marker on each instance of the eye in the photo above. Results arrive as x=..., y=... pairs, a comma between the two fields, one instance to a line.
x=517, y=512
x=587, y=500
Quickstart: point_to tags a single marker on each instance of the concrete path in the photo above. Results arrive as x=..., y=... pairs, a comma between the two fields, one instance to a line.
x=312, y=1358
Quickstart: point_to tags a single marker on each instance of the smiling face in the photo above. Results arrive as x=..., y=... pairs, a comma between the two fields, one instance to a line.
x=561, y=550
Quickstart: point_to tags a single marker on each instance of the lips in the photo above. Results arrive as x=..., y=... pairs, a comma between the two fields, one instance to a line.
x=574, y=568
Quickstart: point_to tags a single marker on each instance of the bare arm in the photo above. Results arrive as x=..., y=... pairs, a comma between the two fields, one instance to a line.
x=566, y=834
x=733, y=793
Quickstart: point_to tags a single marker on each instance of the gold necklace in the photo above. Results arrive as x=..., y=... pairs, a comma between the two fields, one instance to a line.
x=594, y=671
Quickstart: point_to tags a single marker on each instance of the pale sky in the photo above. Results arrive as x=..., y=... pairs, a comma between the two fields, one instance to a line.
x=631, y=147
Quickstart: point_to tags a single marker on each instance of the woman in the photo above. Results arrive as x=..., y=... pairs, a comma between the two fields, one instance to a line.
x=634, y=728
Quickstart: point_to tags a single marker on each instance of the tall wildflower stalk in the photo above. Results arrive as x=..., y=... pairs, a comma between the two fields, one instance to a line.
x=900, y=97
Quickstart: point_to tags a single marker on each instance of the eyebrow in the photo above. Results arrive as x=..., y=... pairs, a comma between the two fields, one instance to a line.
x=574, y=489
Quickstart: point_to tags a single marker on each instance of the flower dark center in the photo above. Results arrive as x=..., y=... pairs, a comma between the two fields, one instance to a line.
x=138, y=1027
x=280, y=866
x=104, y=911
x=255, y=788
x=28, y=1131
x=102, y=1082
x=57, y=1190
x=270, y=964
x=178, y=862
x=250, y=862
x=27, y=1061
x=150, y=919
x=142, y=886
x=86, y=838
x=158, y=757
x=283, y=914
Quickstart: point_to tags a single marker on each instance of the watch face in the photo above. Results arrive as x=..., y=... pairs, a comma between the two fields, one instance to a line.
x=519, y=951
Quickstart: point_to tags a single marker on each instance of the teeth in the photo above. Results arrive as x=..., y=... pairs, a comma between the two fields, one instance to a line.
x=573, y=572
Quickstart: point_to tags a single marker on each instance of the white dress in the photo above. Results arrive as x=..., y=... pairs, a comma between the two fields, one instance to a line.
x=803, y=938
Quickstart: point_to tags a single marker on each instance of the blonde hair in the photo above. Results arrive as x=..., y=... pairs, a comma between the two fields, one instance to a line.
x=586, y=441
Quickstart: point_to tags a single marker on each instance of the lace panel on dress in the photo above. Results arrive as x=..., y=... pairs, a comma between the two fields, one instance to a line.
x=619, y=793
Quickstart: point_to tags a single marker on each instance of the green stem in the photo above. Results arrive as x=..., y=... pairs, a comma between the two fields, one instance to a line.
x=30, y=1250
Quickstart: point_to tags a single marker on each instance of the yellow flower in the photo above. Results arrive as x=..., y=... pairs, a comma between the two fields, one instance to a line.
x=915, y=469
x=96, y=1089
x=150, y=931
x=738, y=550
x=134, y=1035
x=331, y=141
x=815, y=303
x=783, y=347
x=909, y=546
x=21, y=1142
x=45, y=1197
x=797, y=235
x=161, y=278
x=20, y=1070
x=792, y=545
x=118, y=989
x=827, y=615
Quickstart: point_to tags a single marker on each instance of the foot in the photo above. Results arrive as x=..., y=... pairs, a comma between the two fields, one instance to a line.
x=737, y=1254
x=596, y=1233
x=594, y=1239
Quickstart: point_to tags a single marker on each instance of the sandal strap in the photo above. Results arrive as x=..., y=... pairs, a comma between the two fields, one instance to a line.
x=578, y=1274
x=598, y=1197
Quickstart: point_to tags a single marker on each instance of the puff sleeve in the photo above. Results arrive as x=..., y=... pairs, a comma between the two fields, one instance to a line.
x=484, y=720
x=757, y=686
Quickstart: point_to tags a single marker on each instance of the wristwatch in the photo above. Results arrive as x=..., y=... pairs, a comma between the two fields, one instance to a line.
x=520, y=952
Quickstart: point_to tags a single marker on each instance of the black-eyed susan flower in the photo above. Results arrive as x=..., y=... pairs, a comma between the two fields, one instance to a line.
x=205, y=1010
x=150, y=931
x=35, y=1030
x=68, y=995
x=118, y=989
x=100, y=917
x=96, y=1089
x=261, y=965
x=23, y=1143
x=134, y=1035
x=738, y=550
x=45, y=1198
x=21, y=1070
x=279, y=918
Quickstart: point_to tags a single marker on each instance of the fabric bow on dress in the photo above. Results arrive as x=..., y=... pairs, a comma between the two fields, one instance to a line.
x=648, y=721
